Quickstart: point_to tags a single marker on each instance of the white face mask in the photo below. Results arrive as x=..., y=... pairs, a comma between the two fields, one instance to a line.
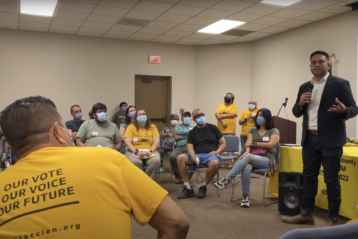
x=174, y=122
x=73, y=144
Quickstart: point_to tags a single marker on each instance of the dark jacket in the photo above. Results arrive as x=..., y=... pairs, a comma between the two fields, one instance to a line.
x=331, y=125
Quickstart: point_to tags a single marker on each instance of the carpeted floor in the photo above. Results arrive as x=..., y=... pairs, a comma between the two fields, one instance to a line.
x=217, y=217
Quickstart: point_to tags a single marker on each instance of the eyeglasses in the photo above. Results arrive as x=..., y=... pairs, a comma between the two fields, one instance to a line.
x=198, y=116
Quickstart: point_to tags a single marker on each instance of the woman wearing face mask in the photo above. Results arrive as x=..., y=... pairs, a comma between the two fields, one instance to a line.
x=167, y=139
x=130, y=118
x=264, y=135
x=247, y=121
x=142, y=140
x=98, y=131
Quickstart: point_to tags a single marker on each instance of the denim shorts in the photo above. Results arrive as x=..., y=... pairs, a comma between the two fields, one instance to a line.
x=204, y=159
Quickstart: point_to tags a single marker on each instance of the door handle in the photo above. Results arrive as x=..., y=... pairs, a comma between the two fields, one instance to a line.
x=163, y=119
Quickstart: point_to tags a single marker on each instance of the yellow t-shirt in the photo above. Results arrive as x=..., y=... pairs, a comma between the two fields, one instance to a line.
x=231, y=122
x=250, y=123
x=75, y=193
x=142, y=138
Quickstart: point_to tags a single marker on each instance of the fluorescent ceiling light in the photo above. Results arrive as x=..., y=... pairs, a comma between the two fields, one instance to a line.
x=220, y=26
x=38, y=7
x=283, y=3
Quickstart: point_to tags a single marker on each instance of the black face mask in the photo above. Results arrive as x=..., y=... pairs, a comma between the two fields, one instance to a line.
x=227, y=100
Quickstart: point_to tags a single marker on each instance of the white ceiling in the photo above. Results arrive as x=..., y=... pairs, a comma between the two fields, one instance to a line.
x=172, y=21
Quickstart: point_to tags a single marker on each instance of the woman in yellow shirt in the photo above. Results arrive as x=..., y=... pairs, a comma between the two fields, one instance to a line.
x=247, y=121
x=142, y=140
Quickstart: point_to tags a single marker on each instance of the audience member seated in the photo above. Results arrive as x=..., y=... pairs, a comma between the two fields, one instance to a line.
x=90, y=114
x=247, y=121
x=265, y=136
x=129, y=119
x=78, y=192
x=120, y=116
x=142, y=140
x=205, y=143
x=98, y=131
x=181, y=132
x=167, y=139
x=75, y=124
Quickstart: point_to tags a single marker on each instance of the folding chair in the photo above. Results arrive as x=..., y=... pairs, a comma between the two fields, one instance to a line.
x=260, y=171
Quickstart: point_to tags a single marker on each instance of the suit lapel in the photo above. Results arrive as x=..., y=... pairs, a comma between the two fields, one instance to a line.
x=326, y=88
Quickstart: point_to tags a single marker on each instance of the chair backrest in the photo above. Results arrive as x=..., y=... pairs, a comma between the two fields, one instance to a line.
x=232, y=143
x=278, y=153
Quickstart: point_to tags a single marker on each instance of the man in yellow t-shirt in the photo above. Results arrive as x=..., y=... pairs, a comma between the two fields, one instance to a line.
x=226, y=114
x=57, y=191
x=247, y=121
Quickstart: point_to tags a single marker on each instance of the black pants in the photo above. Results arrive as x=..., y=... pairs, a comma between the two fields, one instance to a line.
x=314, y=154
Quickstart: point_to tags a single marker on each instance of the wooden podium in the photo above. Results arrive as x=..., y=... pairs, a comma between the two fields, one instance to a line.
x=287, y=130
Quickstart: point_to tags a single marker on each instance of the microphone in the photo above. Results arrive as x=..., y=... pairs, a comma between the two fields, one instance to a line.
x=310, y=87
x=284, y=104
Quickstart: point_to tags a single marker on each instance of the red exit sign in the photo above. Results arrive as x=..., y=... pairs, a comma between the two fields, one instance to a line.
x=154, y=59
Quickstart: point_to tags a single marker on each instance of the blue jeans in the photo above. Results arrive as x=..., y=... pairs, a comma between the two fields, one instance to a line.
x=240, y=165
x=243, y=142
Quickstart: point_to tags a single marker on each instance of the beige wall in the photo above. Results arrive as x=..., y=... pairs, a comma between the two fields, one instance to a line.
x=220, y=69
x=86, y=70
x=280, y=63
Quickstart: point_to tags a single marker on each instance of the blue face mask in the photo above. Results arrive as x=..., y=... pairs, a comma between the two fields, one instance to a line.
x=187, y=120
x=252, y=107
x=132, y=114
x=142, y=118
x=260, y=120
x=78, y=116
x=102, y=116
x=201, y=120
x=124, y=108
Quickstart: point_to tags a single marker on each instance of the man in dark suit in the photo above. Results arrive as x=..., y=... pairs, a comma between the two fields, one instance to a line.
x=325, y=108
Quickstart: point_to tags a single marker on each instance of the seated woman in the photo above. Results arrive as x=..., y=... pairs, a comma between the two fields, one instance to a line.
x=130, y=118
x=142, y=140
x=263, y=135
x=99, y=132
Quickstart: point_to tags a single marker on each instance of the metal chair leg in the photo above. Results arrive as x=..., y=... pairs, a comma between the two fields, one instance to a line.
x=233, y=190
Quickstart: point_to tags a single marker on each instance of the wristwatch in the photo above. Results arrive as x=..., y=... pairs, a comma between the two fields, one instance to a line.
x=136, y=151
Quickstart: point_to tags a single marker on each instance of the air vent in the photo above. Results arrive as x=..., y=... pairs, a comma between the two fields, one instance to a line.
x=236, y=32
x=133, y=22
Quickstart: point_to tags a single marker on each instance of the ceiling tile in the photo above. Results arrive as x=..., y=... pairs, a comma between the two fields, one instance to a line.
x=8, y=8
x=290, y=13
x=9, y=2
x=223, y=38
x=142, y=15
x=187, y=27
x=34, y=25
x=177, y=33
x=71, y=15
x=167, y=39
x=119, y=3
x=215, y=13
x=162, y=25
x=62, y=32
x=199, y=35
x=117, y=34
x=92, y=30
x=242, y=39
x=153, y=6
x=125, y=28
x=165, y=1
x=252, y=27
x=172, y=18
x=262, y=9
x=143, y=36
x=313, y=5
x=64, y=28
x=76, y=7
x=275, y=29
x=199, y=3
x=154, y=31
x=110, y=11
x=4, y=23
x=103, y=18
x=314, y=16
x=201, y=21
x=337, y=8
x=231, y=5
x=29, y=18
x=99, y=25
x=258, y=34
x=209, y=42
x=189, y=40
x=83, y=1
x=293, y=23
x=270, y=20
x=68, y=22
x=89, y=34
x=244, y=17
x=9, y=16
x=185, y=10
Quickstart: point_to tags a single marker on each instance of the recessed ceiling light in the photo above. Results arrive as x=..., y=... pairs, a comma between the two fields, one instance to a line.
x=283, y=3
x=38, y=7
x=220, y=26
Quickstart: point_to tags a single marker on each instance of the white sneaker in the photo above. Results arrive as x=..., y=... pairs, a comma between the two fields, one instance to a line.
x=161, y=170
x=221, y=184
x=245, y=202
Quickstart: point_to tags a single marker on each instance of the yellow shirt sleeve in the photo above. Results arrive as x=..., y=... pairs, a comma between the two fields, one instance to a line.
x=144, y=195
x=129, y=131
x=155, y=130
x=242, y=115
x=218, y=109
x=234, y=109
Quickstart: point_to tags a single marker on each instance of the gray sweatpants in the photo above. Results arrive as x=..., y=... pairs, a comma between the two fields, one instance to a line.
x=153, y=164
